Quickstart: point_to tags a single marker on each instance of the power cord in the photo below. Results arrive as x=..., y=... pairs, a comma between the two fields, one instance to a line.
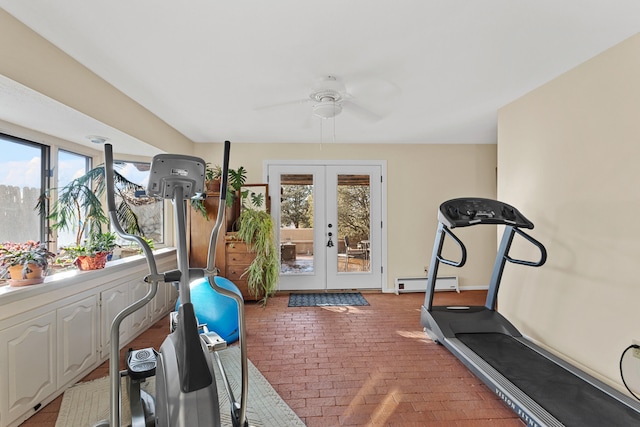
x=632, y=346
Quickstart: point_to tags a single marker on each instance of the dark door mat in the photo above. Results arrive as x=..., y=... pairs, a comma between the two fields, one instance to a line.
x=326, y=299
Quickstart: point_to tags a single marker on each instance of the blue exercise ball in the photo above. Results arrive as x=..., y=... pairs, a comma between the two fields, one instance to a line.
x=218, y=312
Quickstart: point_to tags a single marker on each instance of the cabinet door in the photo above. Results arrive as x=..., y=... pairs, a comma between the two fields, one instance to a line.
x=77, y=339
x=238, y=259
x=172, y=296
x=27, y=365
x=113, y=301
x=160, y=302
x=139, y=319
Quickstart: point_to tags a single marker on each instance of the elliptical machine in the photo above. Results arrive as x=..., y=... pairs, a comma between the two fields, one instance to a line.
x=186, y=392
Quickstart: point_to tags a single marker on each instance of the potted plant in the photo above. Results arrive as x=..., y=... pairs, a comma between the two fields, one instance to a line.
x=236, y=179
x=26, y=263
x=256, y=229
x=79, y=207
x=92, y=254
x=213, y=175
x=135, y=249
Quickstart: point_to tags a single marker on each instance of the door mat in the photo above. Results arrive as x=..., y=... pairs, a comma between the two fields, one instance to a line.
x=326, y=299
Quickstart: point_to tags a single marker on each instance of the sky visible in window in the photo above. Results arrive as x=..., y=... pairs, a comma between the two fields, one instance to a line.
x=70, y=167
x=135, y=172
x=20, y=165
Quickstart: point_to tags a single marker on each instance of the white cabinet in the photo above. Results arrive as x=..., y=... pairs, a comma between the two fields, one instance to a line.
x=53, y=334
x=112, y=302
x=159, y=304
x=27, y=365
x=77, y=339
x=164, y=302
x=140, y=320
x=115, y=299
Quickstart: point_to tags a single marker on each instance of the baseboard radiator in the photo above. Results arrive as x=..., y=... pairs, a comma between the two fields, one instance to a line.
x=419, y=284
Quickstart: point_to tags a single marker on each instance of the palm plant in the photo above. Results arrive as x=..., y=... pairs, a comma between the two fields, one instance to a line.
x=79, y=205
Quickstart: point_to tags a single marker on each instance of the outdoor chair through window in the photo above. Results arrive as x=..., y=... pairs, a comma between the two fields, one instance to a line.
x=353, y=253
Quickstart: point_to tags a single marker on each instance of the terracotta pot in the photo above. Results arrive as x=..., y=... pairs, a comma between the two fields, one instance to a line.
x=95, y=262
x=33, y=276
x=213, y=186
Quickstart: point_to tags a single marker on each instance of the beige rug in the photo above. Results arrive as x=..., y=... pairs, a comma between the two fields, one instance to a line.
x=86, y=403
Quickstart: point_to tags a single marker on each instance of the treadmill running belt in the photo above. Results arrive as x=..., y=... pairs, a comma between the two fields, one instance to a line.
x=567, y=397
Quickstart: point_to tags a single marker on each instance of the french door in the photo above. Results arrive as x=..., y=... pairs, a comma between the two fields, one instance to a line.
x=329, y=220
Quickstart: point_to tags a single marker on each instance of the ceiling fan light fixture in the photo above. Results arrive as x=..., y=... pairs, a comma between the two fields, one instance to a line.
x=327, y=108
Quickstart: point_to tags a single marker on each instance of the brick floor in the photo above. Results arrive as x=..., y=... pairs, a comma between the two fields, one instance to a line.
x=368, y=365
x=355, y=366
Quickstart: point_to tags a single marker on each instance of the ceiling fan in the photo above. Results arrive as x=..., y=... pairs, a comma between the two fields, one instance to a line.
x=329, y=97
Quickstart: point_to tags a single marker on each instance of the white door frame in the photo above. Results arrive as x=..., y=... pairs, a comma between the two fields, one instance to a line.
x=383, y=197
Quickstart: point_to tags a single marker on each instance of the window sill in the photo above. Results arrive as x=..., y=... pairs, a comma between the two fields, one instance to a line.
x=67, y=281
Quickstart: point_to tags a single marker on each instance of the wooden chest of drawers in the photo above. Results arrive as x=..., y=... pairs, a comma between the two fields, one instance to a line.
x=237, y=260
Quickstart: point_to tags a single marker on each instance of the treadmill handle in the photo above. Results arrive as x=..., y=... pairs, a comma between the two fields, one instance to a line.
x=463, y=250
x=543, y=251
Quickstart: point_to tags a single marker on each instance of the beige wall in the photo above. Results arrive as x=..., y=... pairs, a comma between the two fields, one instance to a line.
x=568, y=158
x=419, y=178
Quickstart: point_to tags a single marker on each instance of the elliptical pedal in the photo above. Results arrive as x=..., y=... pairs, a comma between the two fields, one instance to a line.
x=141, y=363
x=213, y=341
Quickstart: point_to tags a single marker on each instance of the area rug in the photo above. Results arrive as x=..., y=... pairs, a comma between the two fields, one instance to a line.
x=86, y=403
x=327, y=299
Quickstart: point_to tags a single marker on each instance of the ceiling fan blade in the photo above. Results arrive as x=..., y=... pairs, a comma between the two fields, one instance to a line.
x=361, y=111
x=308, y=120
x=282, y=104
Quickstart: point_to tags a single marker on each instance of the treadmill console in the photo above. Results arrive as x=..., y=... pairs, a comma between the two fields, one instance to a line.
x=471, y=211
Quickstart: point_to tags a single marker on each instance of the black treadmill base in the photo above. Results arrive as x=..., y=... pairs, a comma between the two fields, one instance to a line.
x=570, y=399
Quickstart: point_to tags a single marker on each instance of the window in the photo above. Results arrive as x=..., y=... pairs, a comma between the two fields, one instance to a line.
x=150, y=211
x=22, y=180
x=24, y=177
x=70, y=166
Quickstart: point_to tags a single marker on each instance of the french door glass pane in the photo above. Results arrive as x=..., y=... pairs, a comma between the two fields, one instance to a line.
x=21, y=177
x=296, y=224
x=354, y=228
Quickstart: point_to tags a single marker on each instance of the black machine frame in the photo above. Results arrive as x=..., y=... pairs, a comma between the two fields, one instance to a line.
x=543, y=389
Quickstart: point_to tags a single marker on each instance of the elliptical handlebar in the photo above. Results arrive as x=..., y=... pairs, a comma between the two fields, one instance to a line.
x=114, y=347
x=238, y=412
x=224, y=179
x=113, y=216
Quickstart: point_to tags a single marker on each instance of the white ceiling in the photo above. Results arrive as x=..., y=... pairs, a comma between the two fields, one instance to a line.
x=433, y=71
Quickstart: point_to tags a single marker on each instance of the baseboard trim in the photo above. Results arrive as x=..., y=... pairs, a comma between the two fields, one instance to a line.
x=474, y=288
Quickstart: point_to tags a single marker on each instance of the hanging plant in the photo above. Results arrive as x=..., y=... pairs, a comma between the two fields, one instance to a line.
x=256, y=229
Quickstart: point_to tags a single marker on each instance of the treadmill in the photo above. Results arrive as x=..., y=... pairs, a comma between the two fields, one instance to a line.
x=541, y=388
